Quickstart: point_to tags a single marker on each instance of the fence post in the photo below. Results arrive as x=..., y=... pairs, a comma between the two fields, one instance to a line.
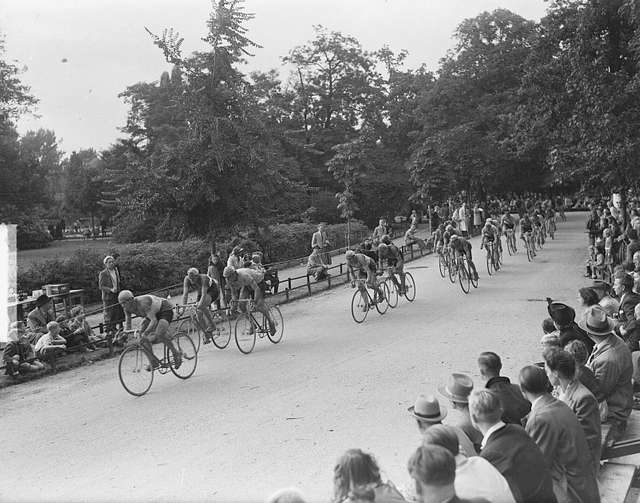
x=286, y=293
x=289, y=281
x=308, y=284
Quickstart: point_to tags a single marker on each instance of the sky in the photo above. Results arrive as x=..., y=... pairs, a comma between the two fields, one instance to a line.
x=78, y=55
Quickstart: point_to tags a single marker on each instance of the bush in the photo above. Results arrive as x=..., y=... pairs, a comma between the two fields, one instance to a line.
x=31, y=234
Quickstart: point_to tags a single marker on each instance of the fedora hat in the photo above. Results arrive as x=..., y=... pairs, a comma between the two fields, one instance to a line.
x=596, y=322
x=458, y=388
x=42, y=300
x=427, y=409
x=561, y=313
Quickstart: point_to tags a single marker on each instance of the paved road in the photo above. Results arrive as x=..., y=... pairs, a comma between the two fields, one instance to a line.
x=244, y=426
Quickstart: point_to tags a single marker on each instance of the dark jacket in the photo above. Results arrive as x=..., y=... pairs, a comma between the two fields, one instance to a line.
x=515, y=406
x=517, y=457
x=574, y=332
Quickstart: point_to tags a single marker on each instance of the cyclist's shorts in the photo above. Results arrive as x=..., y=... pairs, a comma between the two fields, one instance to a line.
x=165, y=314
x=213, y=291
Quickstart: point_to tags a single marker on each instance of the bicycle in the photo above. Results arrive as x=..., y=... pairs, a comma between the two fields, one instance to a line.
x=443, y=262
x=409, y=288
x=135, y=368
x=460, y=270
x=493, y=261
x=197, y=331
x=528, y=243
x=361, y=302
x=551, y=222
x=247, y=325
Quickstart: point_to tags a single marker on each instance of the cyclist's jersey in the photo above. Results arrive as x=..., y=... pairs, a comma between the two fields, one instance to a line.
x=536, y=220
x=394, y=258
x=362, y=262
x=489, y=233
x=508, y=222
x=198, y=282
x=245, y=278
x=446, y=236
x=460, y=245
x=525, y=226
x=550, y=213
x=437, y=236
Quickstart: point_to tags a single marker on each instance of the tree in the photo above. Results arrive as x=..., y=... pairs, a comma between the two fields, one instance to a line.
x=84, y=176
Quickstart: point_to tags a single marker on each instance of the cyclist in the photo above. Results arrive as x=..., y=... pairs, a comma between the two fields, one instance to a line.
x=157, y=313
x=242, y=282
x=490, y=235
x=438, y=238
x=526, y=230
x=359, y=266
x=208, y=292
x=460, y=246
x=508, y=225
x=395, y=261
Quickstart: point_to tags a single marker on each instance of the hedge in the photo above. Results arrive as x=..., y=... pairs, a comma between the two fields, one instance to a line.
x=150, y=266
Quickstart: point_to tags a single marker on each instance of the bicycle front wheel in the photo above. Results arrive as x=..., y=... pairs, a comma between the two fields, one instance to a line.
x=489, y=263
x=393, y=293
x=529, y=252
x=453, y=270
x=135, y=371
x=278, y=320
x=190, y=326
x=245, y=334
x=222, y=333
x=463, y=278
x=383, y=304
x=409, y=287
x=189, y=355
x=442, y=266
x=359, y=306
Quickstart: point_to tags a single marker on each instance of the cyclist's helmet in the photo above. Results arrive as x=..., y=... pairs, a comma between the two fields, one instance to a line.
x=192, y=271
x=125, y=296
x=383, y=249
x=228, y=271
x=349, y=254
x=386, y=239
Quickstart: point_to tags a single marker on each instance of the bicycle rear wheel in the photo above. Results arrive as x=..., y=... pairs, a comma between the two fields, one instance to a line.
x=189, y=326
x=489, y=262
x=463, y=278
x=222, y=333
x=383, y=304
x=359, y=306
x=409, y=287
x=134, y=370
x=442, y=265
x=393, y=293
x=472, y=277
x=277, y=318
x=245, y=333
x=186, y=347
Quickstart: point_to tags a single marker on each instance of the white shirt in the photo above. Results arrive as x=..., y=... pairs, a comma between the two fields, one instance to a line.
x=495, y=427
x=478, y=478
x=114, y=278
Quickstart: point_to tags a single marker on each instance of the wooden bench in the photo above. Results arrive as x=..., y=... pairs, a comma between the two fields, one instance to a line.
x=617, y=473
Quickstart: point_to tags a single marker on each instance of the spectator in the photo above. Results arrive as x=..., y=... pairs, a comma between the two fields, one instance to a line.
x=556, y=430
x=235, y=258
x=563, y=316
x=548, y=327
x=18, y=355
x=109, y=284
x=356, y=477
x=623, y=287
x=427, y=412
x=560, y=367
x=433, y=469
x=587, y=297
x=410, y=238
x=584, y=374
x=608, y=303
x=475, y=476
x=509, y=448
x=379, y=231
x=593, y=226
x=548, y=341
x=457, y=391
x=315, y=265
x=214, y=271
x=514, y=406
x=611, y=363
x=80, y=328
x=50, y=344
x=321, y=240
x=38, y=318
x=288, y=495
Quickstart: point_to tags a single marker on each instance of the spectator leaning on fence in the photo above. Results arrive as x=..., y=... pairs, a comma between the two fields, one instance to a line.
x=109, y=283
x=315, y=265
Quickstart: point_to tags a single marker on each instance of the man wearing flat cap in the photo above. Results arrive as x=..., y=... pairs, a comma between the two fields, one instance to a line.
x=109, y=283
x=563, y=317
x=611, y=363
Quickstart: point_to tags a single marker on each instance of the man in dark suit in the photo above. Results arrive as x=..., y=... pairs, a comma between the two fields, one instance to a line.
x=611, y=363
x=556, y=430
x=510, y=449
x=110, y=285
x=433, y=468
x=514, y=405
x=623, y=287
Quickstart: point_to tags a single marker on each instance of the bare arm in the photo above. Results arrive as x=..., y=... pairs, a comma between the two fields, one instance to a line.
x=185, y=290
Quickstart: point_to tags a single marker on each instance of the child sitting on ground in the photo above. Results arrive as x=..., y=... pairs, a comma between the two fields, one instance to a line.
x=81, y=329
x=18, y=354
x=50, y=344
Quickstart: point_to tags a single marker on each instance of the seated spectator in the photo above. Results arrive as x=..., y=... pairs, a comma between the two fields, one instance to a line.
x=433, y=469
x=611, y=363
x=288, y=495
x=561, y=371
x=623, y=287
x=603, y=291
x=584, y=374
x=548, y=341
x=548, y=327
x=457, y=391
x=563, y=316
x=560, y=437
x=81, y=329
x=514, y=406
x=587, y=298
x=18, y=355
x=410, y=238
x=315, y=265
x=475, y=476
x=511, y=450
x=427, y=412
x=50, y=344
x=38, y=318
x=356, y=477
